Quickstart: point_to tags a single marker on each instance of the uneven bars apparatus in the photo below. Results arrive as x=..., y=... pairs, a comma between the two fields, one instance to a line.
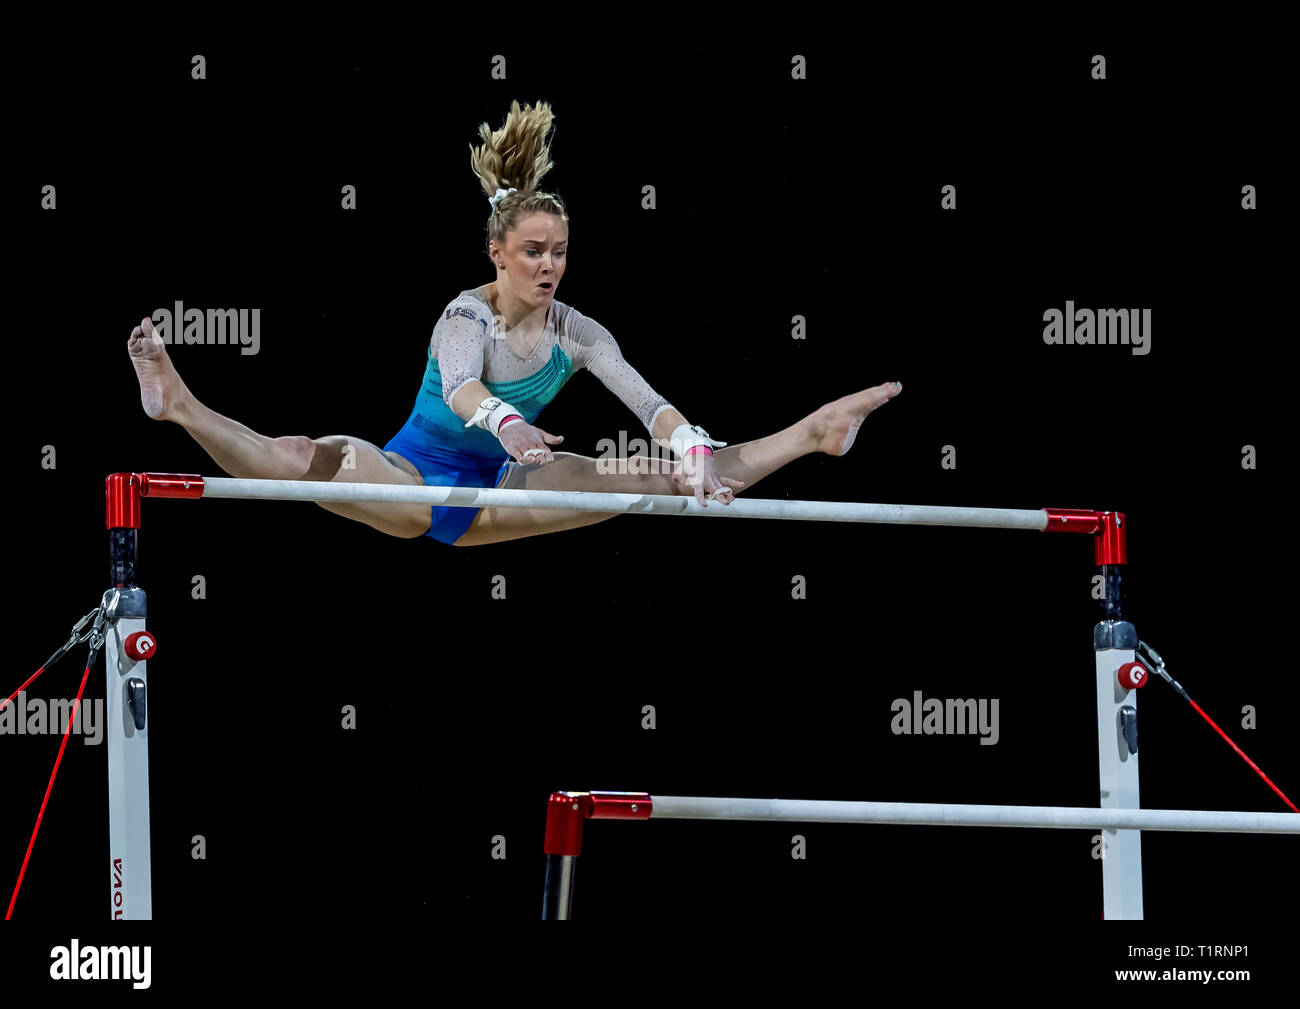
x=1114, y=642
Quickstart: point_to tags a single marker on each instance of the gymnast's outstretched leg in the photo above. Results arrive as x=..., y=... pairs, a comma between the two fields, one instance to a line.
x=830, y=429
x=242, y=452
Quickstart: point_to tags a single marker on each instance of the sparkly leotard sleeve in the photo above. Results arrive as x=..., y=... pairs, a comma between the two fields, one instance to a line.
x=590, y=345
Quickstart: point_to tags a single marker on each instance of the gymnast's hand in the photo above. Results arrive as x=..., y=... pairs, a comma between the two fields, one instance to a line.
x=696, y=475
x=527, y=444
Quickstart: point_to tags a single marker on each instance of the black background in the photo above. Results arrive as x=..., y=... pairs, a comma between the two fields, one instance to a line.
x=776, y=198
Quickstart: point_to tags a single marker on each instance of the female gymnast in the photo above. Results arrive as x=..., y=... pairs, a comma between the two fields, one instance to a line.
x=499, y=353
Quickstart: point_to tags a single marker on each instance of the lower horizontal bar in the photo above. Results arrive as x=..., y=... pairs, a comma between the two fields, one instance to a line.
x=650, y=504
x=939, y=814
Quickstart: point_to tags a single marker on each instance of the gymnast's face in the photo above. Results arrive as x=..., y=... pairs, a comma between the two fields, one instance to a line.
x=534, y=255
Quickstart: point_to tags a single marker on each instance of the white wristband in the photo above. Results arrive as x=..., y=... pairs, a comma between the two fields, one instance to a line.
x=686, y=436
x=490, y=414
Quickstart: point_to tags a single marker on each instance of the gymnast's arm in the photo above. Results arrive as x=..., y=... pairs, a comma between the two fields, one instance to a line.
x=666, y=423
x=461, y=352
x=599, y=352
x=467, y=398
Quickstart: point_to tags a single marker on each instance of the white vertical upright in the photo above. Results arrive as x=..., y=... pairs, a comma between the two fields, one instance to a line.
x=126, y=705
x=1115, y=642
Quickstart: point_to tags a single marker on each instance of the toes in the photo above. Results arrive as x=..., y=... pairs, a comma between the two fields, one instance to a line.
x=883, y=393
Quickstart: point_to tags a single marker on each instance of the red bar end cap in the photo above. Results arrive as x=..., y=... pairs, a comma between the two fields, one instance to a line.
x=565, y=812
x=1112, y=539
x=122, y=501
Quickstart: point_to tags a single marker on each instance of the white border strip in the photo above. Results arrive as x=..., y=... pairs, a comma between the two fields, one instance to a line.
x=825, y=811
x=649, y=504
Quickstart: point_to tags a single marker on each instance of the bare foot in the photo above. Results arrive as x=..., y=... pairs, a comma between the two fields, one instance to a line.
x=162, y=393
x=836, y=424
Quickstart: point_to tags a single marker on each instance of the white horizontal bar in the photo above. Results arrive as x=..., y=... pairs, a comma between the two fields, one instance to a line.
x=826, y=811
x=650, y=504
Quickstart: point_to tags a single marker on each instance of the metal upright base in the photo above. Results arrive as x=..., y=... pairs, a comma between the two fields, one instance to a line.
x=126, y=710
x=1115, y=643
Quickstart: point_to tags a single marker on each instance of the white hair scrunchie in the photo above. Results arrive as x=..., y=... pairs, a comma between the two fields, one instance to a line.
x=501, y=195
